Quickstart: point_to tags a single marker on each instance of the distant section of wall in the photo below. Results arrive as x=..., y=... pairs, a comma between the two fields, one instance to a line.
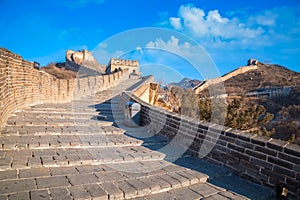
x=84, y=62
x=82, y=70
x=240, y=70
x=121, y=64
x=21, y=85
x=263, y=160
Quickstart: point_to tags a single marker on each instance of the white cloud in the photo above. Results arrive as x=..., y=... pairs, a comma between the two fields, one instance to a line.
x=234, y=36
x=192, y=53
x=171, y=45
x=212, y=24
x=176, y=23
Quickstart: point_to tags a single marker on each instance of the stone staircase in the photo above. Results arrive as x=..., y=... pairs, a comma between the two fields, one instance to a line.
x=77, y=151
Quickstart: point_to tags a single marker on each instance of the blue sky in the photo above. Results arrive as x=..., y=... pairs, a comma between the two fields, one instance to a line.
x=230, y=31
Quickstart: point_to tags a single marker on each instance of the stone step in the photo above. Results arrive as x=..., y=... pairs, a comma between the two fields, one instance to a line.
x=59, y=112
x=23, y=159
x=74, y=141
x=63, y=110
x=50, y=142
x=103, y=115
x=95, y=181
x=61, y=130
x=57, y=122
x=205, y=191
x=84, y=105
x=46, y=115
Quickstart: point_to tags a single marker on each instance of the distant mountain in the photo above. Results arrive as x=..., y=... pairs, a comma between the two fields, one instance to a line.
x=254, y=77
x=266, y=76
x=186, y=83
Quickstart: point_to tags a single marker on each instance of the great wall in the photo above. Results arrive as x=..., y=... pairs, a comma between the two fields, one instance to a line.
x=65, y=139
x=206, y=84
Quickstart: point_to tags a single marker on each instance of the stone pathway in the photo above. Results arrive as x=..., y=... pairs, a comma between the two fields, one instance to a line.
x=75, y=151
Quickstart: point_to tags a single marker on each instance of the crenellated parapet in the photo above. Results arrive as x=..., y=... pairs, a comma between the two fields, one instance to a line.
x=116, y=64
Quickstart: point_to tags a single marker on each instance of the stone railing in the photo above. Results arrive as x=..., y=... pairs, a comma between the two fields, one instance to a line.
x=21, y=85
x=261, y=159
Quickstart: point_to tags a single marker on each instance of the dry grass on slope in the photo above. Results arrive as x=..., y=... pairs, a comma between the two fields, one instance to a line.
x=59, y=72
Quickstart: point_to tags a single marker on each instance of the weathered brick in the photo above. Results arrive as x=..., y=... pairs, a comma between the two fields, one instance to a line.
x=111, y=190
x=79, y=193
x=141, y=188
x=244, y=144
x=183, y=180
x=9, y=174
x=249, y=166
x=54, y=181
x=232, y=195
x=280, y=162
x=34, y=172
x=274, y=178
x=230, y=134
x=235, y=147
x=60, y=194
x=39, y=194
x=266, y=151
x=128, y=190
x=63, y=170
x=292, y=149
x=276, y=144
x=109, y=176
x=205, y=190
x=256, y=154
x=226, y=138
x=245, y=136
x=284, y=171
x=289, y=158
x=79, y=179
x=154, y=186
x=19, y=195
x=239, y=155
x=13, y=186
x=262, y=163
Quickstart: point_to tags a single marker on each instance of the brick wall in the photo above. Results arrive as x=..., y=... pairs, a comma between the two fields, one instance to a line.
x=263, y=160
x=21, y=85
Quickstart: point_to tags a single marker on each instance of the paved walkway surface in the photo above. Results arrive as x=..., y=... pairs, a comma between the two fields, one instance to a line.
x=77, y=151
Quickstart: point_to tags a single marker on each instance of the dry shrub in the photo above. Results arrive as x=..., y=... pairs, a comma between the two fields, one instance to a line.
x=59, y=72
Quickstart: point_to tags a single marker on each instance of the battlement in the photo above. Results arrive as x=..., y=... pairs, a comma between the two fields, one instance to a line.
x=116, y=64
x=122, y=62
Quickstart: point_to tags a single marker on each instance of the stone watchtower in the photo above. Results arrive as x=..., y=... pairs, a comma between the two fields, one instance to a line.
x=252, y=61
x=115, y=65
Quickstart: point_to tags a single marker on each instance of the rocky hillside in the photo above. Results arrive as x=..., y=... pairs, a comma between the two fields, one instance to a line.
x=265, y=76
x=58, y=70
